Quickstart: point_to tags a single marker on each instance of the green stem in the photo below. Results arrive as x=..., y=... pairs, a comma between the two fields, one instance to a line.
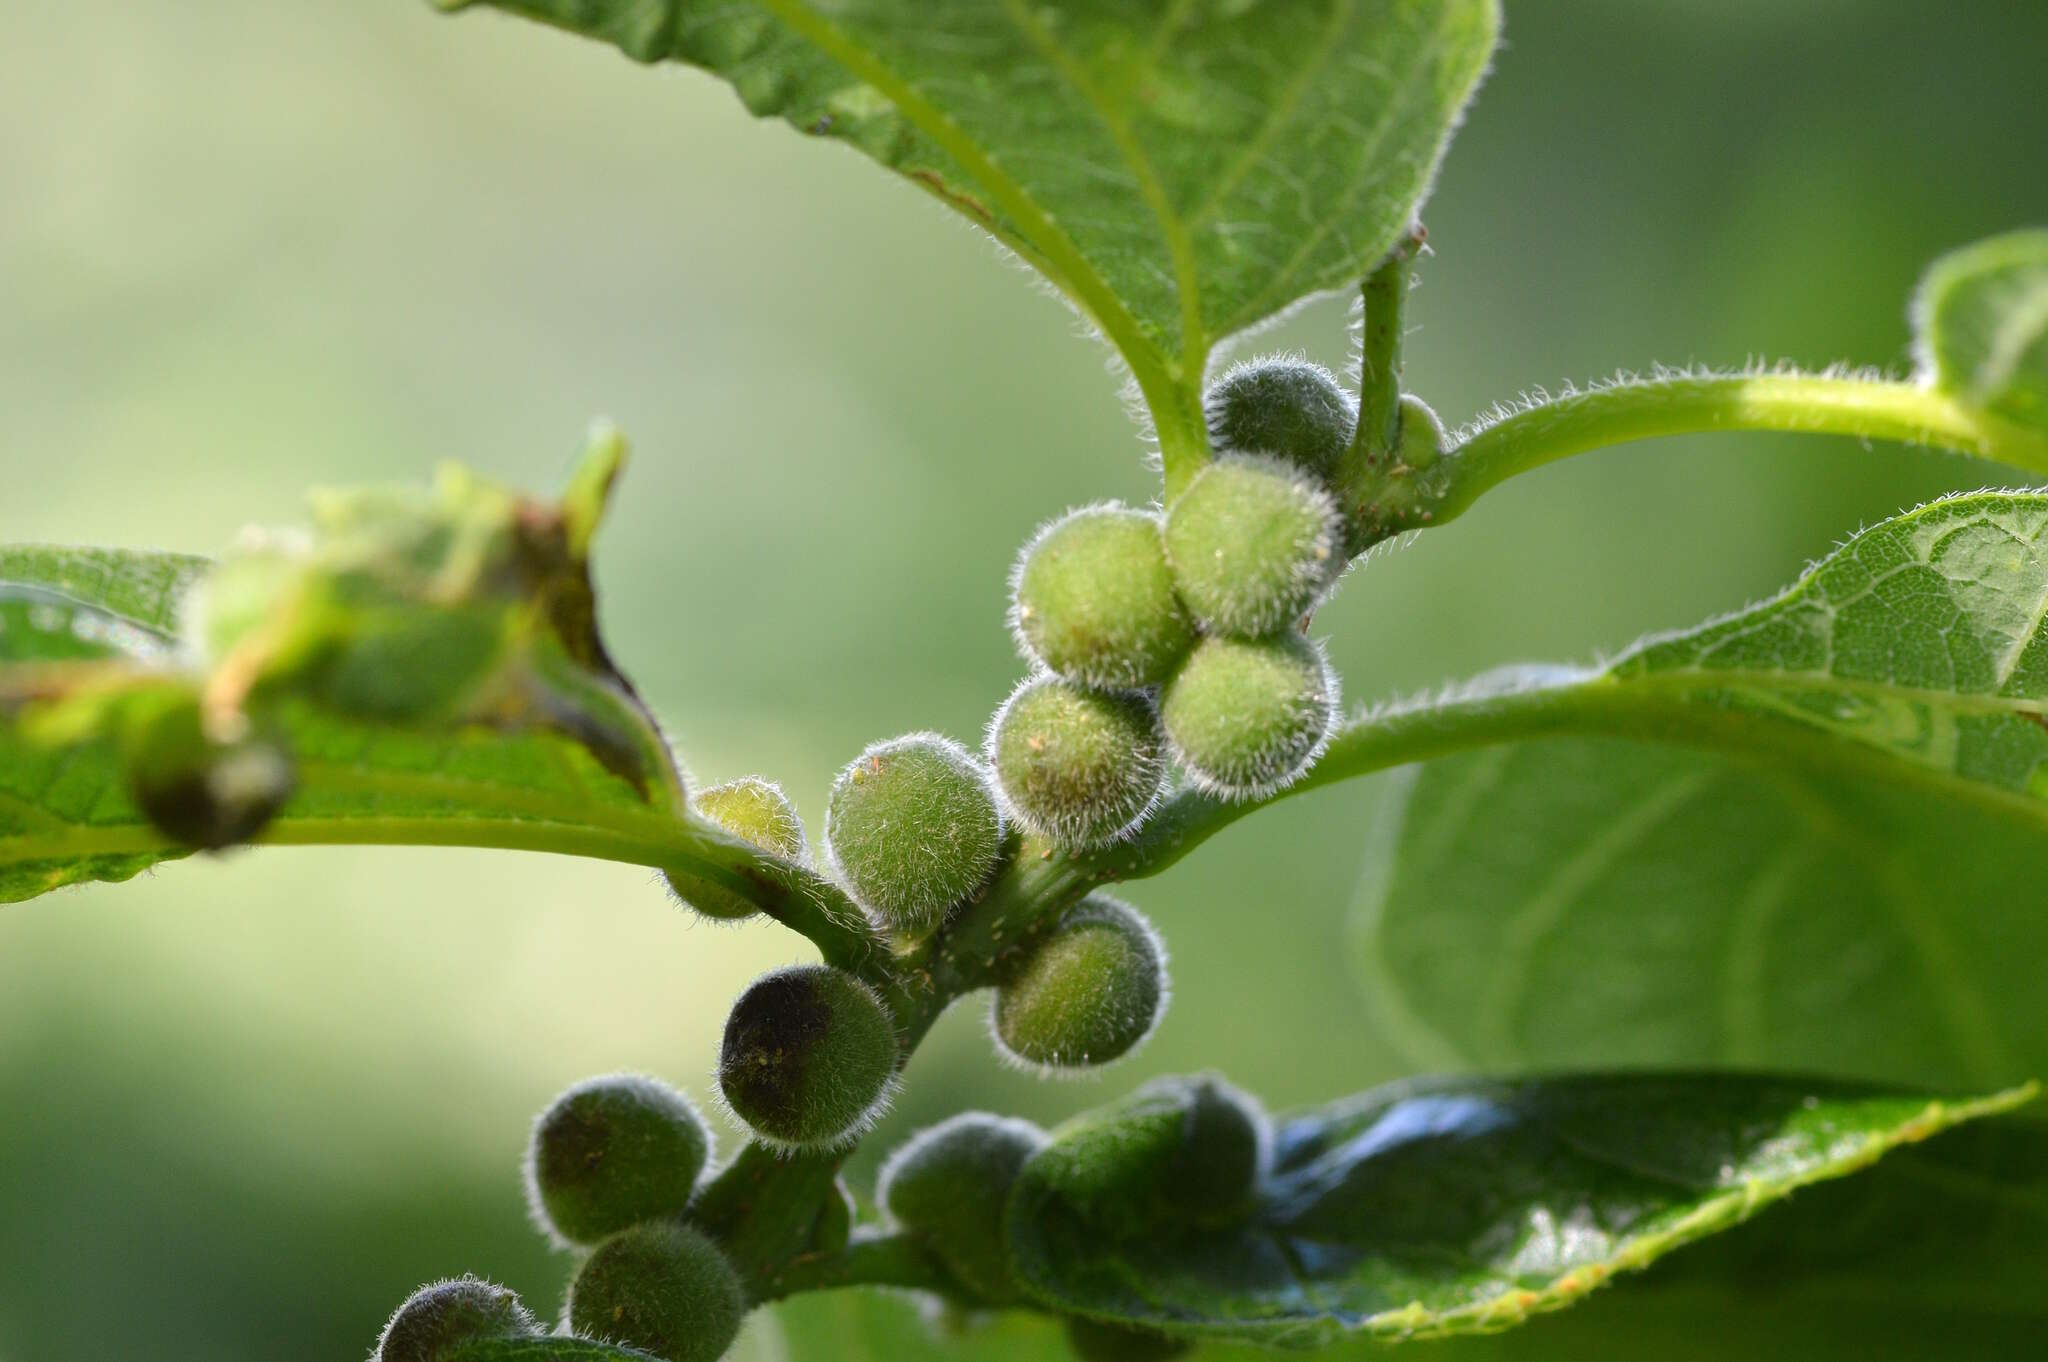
x=1911, y=413
x=1384, y=296
x=868, y=1260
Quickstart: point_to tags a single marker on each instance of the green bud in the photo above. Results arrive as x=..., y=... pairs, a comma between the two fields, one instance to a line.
x=809, y=1057
x=1246, y=717
x=1253, y=543
x=913, y=829
x=1422, y=437
x=435, y=1320
x=948, y=1186
x=1086, y=995
x=753, y=810
x=1285, y=407
x=661, y=1287
x=1092, y=598
x=1094, y=1340
x=1081, y=768
x=203, y=793
x=612, y=1152
x=1225, y=1149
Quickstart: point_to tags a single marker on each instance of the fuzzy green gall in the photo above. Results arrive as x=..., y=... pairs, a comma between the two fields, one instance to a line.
x=1092, y=599
x=1081, y=768
x=1088, y=994
x=661, y=1287
x=1283, y=407
x=437, y=1319
x=755, y=811
x=948, y=1185
x=1094, y=1340
x=808, y=1058
x=612, y=1152
x=913, y=828
x=1253, y=543
x=1247, y=717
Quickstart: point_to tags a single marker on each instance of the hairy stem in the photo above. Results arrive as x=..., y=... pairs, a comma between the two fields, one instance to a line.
x=1384, y=296
x=1821, y=404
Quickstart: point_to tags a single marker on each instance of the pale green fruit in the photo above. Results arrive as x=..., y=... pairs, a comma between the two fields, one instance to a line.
x=1093, y=600
x=1247, y=717
x=662, y=1287
x=612, y=1152
x=1088, y=994
x=1253, y=543
x=1079, y=767
x=754, y=810
x=913, y=828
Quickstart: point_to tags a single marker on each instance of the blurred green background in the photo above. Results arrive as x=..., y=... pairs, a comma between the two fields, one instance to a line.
x=247, y=247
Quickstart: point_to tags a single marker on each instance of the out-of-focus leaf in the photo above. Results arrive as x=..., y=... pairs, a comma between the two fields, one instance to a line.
x=1982, y=317
x=426, y=662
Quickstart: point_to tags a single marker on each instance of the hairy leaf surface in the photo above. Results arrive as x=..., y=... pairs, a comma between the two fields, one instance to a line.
x=1180, y=170
x=1446, y=1206
x=1982, y=315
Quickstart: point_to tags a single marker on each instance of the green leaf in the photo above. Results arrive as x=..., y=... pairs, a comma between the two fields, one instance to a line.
x=144, y=589
x=1443, y=1207
x=1982, y=318
x=1937, y=1250
x=1608, y=902
x=1861, y=838
x=1180, y=170
x=427, y=660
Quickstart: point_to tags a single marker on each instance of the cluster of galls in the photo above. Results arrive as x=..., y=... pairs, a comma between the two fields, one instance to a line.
x=611, y=1170
x=914, y=829
x=1182, y=633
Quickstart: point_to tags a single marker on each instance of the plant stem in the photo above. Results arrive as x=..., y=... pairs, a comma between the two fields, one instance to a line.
x=870, y=1259
x=1912, y=413
x=1384, y=296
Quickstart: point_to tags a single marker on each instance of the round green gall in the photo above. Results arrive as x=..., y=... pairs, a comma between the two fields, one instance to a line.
x=809, y=1057
x=1079, y=767
x=661, y=1287
x=1225, y=1150
x=199, y=792
x=913, y=828
x=755, y=811
x=1285, y=407
x=948, y=1185
x=1088, y=994
x=1253, y=543
x=1246, y=717
x=1092, y=599
x=612, y=1152
x=1094, y=1340
x=436, y=1320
